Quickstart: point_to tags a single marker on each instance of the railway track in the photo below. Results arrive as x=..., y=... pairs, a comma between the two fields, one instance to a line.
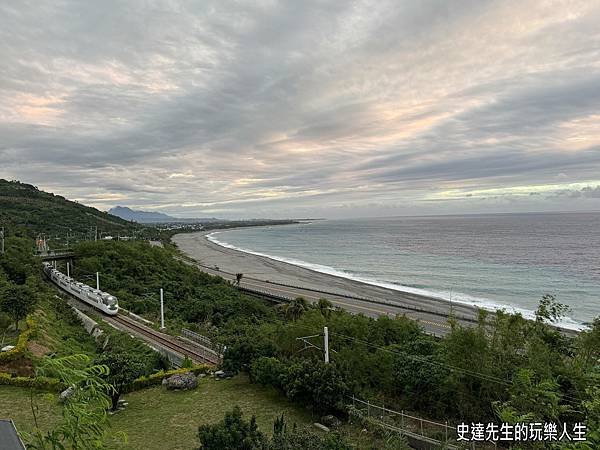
x=196, y=354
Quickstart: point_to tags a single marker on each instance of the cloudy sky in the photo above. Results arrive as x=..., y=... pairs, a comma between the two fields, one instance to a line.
x=304, y=108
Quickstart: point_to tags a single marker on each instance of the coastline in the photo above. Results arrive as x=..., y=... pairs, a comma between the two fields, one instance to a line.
x=272, y=271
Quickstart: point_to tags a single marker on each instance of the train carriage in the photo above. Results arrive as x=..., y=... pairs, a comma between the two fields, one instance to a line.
x=103, y=301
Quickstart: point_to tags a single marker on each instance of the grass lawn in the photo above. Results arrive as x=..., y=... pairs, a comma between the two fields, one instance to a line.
x=160, y=419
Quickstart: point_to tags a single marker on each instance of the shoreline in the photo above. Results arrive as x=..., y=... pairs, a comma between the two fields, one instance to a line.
x=568, y=324
x=265, y=269
x=278, y=271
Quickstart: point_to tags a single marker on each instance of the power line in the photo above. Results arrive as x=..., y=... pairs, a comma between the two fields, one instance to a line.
x=490, y=378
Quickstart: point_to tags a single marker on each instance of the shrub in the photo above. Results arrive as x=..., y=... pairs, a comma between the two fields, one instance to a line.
x=316, y=384
x=22, y=342
x=233, y=432
x=268, y=371
x=42, y=383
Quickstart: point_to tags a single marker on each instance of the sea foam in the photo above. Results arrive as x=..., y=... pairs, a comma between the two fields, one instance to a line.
x=457, y=297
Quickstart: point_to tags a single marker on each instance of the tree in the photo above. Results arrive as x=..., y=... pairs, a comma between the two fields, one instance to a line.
x=238, y=278
x=84, y=421
x=232, y=433
x=550, y=310
x=17, y=301
x=268, y=371
x=315, y=384
x=324, y=306
x=124, y=368
x=295, y=309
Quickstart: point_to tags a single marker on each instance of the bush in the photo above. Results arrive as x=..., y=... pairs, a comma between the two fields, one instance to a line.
x=316, y=384
x=268, y=371
x=233, y=432
x=42, y=383
x=21, y=342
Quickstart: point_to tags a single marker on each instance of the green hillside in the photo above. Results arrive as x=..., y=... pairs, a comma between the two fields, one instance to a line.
x=23, y=206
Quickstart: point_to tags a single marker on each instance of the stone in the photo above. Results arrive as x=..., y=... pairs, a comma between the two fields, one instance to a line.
x=182, y=381
x=320, y=426
x=8, y=348
x=66, y=394
x=331, y=421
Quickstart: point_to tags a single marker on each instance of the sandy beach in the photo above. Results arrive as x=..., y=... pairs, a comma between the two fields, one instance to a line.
x=266, y=272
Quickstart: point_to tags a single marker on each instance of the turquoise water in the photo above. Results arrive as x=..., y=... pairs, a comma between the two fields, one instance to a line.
x=507, y=260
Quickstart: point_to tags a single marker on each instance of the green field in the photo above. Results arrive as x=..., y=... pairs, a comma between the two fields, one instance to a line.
x=160, y=419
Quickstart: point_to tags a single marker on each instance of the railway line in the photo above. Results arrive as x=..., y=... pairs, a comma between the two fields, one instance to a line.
x=197, y=354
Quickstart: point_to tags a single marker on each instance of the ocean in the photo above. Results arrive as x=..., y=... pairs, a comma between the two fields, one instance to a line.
x=493, y=261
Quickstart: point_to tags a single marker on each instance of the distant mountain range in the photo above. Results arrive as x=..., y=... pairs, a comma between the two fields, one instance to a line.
x=151, y=217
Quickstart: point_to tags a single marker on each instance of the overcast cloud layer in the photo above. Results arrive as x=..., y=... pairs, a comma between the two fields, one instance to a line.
x=304, y=108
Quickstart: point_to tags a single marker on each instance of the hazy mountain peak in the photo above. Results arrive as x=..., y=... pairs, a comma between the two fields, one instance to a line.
x=140, y=216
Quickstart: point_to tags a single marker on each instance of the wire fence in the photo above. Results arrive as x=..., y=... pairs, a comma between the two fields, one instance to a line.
x=441, y=434
x=216, y=350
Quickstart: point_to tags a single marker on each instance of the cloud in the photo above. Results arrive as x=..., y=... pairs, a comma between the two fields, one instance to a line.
x=302, y=108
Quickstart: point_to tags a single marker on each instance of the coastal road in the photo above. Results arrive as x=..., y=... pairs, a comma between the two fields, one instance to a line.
x=285, y=281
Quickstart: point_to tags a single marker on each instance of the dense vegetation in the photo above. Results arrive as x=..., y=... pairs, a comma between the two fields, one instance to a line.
x=505, y=369
x=136, y=271
x=20, y=286
x=25, y=207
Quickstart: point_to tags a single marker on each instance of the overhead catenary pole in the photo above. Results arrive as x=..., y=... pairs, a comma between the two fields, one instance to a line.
x=68, y=271
x=98, y=280
x=2, y=237
x=326, y=343
x=162, y=311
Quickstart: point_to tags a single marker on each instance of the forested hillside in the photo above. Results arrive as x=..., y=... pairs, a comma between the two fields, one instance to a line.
x=25, y=206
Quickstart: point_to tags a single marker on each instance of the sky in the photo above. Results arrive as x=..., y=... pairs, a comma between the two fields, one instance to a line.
x=308, y=108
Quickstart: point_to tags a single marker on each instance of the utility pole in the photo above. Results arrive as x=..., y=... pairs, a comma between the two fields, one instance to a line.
x=308, y=344
x=96, y=234
x=98, y=280
x=2, y=237
x=68, y=271
x=162, y=311
x=326, y=343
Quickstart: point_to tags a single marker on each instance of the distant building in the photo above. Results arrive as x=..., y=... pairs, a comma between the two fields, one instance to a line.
x=9, y=438
x=107, y=238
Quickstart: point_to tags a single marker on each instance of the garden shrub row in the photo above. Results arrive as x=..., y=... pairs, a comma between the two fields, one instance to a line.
x=54, y=385
x=42, y=383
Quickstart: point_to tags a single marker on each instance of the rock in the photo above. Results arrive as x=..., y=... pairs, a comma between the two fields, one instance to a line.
x=66, y=394
x=181, y=381
x=331, y=421
x=320, y=426
x=201, y=375
x=8, y=348
x=223, y=374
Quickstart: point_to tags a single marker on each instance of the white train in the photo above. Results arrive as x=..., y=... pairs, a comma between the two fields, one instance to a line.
x=103, y=301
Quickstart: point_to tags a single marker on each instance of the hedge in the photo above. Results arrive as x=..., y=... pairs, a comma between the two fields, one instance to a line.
x=22, y=342
x=54, y=385
x=43, y=383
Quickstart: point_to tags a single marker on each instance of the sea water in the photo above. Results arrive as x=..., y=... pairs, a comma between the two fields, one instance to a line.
x=493, y=261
